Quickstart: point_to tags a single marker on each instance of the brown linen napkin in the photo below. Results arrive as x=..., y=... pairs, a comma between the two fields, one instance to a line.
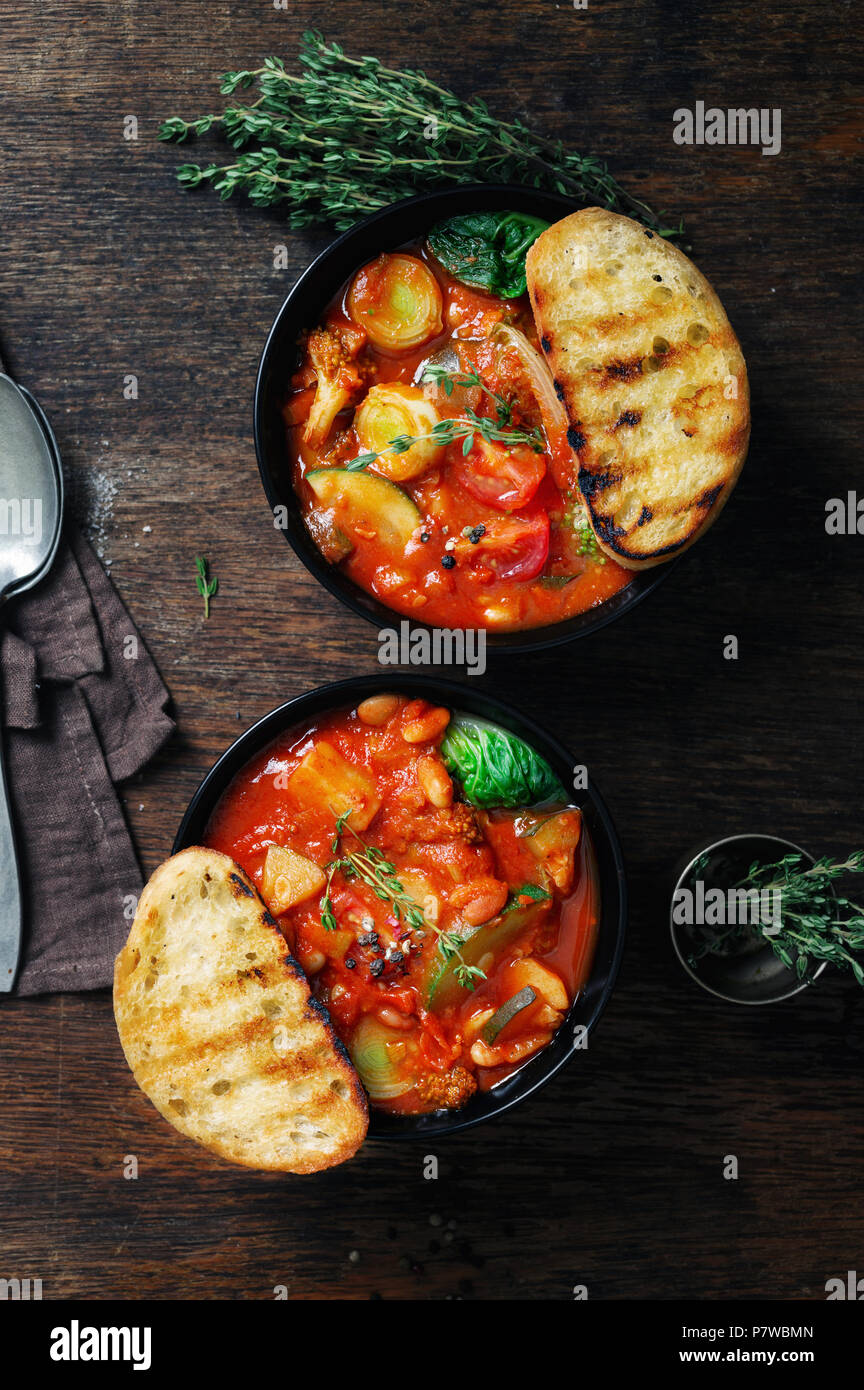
x=84, y=707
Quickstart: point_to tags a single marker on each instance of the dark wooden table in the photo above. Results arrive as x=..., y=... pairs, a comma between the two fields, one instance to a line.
x=614, y=1177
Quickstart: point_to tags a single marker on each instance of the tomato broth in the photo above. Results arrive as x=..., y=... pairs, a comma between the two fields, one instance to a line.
x=473, y=533
x=464, y=963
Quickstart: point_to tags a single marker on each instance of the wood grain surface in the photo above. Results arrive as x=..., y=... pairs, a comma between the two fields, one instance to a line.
x=613, y=1178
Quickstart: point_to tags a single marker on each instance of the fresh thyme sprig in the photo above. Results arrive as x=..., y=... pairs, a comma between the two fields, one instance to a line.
x=345, y=136
x=206, y=587
x=371, y=866
x=450, y=946
x=449, y=380
x=498, y=430
x=817, y=925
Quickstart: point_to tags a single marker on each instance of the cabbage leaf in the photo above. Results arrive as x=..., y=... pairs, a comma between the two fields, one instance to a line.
x=495, y=767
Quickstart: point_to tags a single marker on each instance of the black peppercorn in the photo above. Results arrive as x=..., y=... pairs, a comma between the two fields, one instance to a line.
x=448, y=561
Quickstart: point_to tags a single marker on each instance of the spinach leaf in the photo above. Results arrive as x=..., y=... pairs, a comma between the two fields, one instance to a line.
x=487, y=250
x=495, y=767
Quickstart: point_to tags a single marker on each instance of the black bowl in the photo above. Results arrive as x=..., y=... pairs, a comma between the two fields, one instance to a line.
x=387, y=230
x=613, y=889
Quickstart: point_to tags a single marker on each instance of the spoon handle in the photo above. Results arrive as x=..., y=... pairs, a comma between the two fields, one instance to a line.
x=10, y=887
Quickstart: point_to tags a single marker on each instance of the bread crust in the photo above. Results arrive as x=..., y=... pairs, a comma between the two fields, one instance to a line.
x=220, y=1029
x=651, y=376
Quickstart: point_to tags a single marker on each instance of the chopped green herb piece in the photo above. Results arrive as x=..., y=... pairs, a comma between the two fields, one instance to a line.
x=206, y=587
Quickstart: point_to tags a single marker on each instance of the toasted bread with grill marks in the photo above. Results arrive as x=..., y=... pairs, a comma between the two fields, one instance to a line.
x=219, y=1027
x=651, y=376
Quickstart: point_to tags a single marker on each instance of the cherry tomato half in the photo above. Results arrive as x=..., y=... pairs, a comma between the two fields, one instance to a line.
x=500, y=477
x=514, y=547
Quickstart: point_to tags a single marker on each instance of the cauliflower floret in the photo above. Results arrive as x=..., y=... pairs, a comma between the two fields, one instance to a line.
x=340, y=377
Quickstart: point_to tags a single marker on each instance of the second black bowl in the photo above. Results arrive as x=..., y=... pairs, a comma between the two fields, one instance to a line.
x=586, y=1010
x=387, y=230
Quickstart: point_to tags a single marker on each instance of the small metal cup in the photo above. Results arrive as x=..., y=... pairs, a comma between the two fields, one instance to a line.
x=751, y=974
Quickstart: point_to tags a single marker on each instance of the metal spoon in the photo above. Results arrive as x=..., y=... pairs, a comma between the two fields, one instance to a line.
x=31, y=511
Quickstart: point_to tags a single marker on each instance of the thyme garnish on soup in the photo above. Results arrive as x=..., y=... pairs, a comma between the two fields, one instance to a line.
x=497, y=430
x=371, y=866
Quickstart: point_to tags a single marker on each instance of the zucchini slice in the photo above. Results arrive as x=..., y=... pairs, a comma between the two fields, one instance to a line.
x=443, y=988
x=366, y=500
x=508, y=1010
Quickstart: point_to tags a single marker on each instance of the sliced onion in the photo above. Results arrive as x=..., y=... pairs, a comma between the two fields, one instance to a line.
x=460, y=397
x=552, y=411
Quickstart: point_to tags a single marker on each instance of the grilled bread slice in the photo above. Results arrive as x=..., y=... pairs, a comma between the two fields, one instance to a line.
x=652, y=379
x=219, y=1027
